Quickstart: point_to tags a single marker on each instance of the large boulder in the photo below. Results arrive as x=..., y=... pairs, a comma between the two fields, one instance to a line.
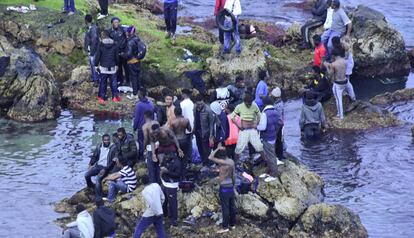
x=328, y=221
x=27, y=89
x=388, y=98
x=379, y=49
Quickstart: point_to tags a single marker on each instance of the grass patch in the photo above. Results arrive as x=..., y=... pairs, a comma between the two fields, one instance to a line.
x=80, y=5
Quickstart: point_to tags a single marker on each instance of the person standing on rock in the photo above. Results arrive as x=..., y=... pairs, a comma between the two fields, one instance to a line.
x=276, y=95
x=103, y=219
x=82, y=227
x=107, y=58
x=154, y=199
x=312, y=118
x=118, y=34
x=134, y=64
x=91, y=44
x=203, y=128
x=226, y=191
x=319, y=11
x=179, y=126
x=261, y=88
x=217, y=8
x=170, y=16
x=234, y=7
x=125, y=180
x=187, y=107
x=341, y=25
x=152, y=166
x=103, y=4
x=69, y=7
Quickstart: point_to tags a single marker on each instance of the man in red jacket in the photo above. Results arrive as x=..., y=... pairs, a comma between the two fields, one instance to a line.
x=219, y=6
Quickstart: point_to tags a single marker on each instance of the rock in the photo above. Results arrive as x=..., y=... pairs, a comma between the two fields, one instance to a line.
x=378, y=48
x=252, y=205
x=327, y=221
x=294, y=31
x=388, y=98
x=412, y=130
x=64, y=47
x=27, y=90
x=411, y=57
x=267, y=32
x=154, y=6
x=289, y=208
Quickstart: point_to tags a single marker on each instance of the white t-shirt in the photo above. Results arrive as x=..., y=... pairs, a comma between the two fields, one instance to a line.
x=233, y=6
x=103, y=155
x=187, y=106
x=328, y=21
x=154, y=198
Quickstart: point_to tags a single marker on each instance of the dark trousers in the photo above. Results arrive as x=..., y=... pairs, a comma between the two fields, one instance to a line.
x=312, y=131
x=145, y=222
x=134, y=70
x=153, y=169
x=69, y=5
x=170, y=206
x=170, y=15
x=123, y=67
x=221, y=36
x=103, y=4
x=279, y=144
x=307, y=27
x=228, y=208
x=103, y=82
x=140, y=139
x=93, y=171
x=187, y=147
x=203, y=148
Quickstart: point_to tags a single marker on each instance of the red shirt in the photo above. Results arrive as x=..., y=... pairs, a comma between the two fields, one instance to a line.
x=319, y=55
x=219, y=6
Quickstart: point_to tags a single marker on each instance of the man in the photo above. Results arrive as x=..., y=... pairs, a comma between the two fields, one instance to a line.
x=91, y=44
x=117, y=33
x=312, y=117
x=171, y=174
x=165, y=110
x=143, y=105
x=320, y=51
x=103, y=4
x=134, y=64
x=107, y=58
x=226, y=192
x=154, y=199
x=319, y=11
x=279, y=106
x=320, y=85
x=221, y=94
x=269, y=126
x=261, y=88
x=221, y=124
x=168, y=143
x=337, y=70
x=179, y=126
x=203, y=128
x=152, y=166
x=127, y=147
x=187, y=107
x=217, y=8
x=341, y=24
x=125, y=180
x=234, y=7
x=170, y=16
x=103, y=220
x=238, y=89
x=82, y=227
x=69, y=7
x=231, y=140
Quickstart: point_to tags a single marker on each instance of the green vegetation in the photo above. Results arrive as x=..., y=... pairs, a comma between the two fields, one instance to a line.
x=80, y=5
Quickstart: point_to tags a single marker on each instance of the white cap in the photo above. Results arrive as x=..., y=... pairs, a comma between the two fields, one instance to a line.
x=216, y=107
x=276, y=92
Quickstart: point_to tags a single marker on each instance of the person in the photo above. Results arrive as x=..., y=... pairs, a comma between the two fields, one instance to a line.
x=82, y=227
x=319, y=11
x=167, y=143
x=221, y=124
x=231, y=140
x=226, y=191
x=127, y=147
x=329, y=14
x=179, y=126
x=107, y=58
x=203, y=128
x=103, y=4
x=320, y=51
x=143, y=105
x=312, y=117
x=91, y=44
x=341, y=25
x=152, y=166
x=276, y=95
x=221, y=94
x=125, y=180
x=103, y=219
x=269, y=126
x=154, y=199
x=261, y=88
x=346, y=45
x=337, y=70
x=217, y=8
x=187, y=107
x=69, y=7
x=320, y=85
x=170, y=16
x=134, y=64
x=169, y=109
x=234, y=7
x=248, y=31
x=117, y=33
x=238, y=89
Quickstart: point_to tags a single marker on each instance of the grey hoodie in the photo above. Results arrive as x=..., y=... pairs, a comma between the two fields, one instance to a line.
x=312, y=112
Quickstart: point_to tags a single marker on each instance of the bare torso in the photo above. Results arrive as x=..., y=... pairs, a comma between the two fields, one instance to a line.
x=179, y=126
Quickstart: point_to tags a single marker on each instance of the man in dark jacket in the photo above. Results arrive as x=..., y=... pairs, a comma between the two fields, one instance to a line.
x=203, y=128
x=103, y=220
x=320, y=85
x=312, y=117
x=319, y=11
x=118, y=34
x=221, y=124
x=91, y=44
x=134, y=64
x=127, y=147
x=107, y=58
x=238, y=89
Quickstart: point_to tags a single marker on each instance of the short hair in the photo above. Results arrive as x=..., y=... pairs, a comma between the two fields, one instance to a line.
x=248, y=98
x=80, y=208
x=123, y=161
x=239, y=78
x=178, y=111
x=231, y=107
x=199, y=98
x=336, y=3
x=115, y=19
x=99, y=202
x=186, y=91
x=221, y=154
x=337, y=52
x=268, y=100
x=105, y=34
x=262, y=74
x=105, y=135
x=122, y=130
x=316, y=39
x=167, y=92
x=88, y=18
x=149, y=114
x=143, y=91
x=309, y=95
x=220, y=79
x=145, y=179
x=316, y=69
x=155, y=127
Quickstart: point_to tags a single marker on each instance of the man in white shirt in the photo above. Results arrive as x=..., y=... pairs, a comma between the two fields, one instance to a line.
x=82, y=227
x=187, y=106
x=234, y=7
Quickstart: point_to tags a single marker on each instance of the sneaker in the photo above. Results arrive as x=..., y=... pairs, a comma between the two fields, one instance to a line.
x=63, y=10
x=270, y=179
x=101, y=100
x=132, y=97
x=278, y=162
x=263, y=175
x=100, y=16
x=173, y=38
x=116, y=99
x=71, y=13
x=232, y=228
x=105, y=199
x=168, y=35
x=221, y=231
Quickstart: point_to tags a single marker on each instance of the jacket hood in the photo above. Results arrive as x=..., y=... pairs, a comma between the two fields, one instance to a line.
x=108, y=42
x=312, y=104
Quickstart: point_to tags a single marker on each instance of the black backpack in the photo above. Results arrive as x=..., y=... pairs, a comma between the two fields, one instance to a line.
x=142, y=49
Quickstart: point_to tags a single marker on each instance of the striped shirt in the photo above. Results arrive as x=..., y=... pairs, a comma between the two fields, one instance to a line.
x=129, y=178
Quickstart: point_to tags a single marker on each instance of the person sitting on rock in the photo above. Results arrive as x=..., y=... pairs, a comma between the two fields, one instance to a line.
x=154, y=199
x=107, y=58
x=125, y=180
x=226, y=191
x=320, y=51
x=82, y=227
x=319, y=11
x=167, y=143
x=234, y=7
x=312, y=117
x=91, y=44
x=127, y=147
x=261, y=88
x=103, y=220
x=341, y=25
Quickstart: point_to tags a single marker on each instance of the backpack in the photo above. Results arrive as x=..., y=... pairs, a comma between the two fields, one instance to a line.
x=142, y=49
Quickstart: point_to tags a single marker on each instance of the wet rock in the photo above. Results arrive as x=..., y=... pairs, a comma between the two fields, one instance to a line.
x=304, y=5
x=252, y=205
x=27, y=89
x=267, y=32
x=388, y=98
x=326, y=221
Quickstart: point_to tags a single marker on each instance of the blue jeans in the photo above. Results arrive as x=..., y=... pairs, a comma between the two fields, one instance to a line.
x=170, y=15
x=326, y=39
x=145, y=222
x=227, y=36
x=228, y=207
x=153, y=169
x=93, y=171
x=114, y=187
x=94, y=74
x=103, y=84
x=69, y=5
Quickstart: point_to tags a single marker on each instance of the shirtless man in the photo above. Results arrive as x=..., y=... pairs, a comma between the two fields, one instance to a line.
x=152, y=166
x=168, y=143
x=179, y=126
